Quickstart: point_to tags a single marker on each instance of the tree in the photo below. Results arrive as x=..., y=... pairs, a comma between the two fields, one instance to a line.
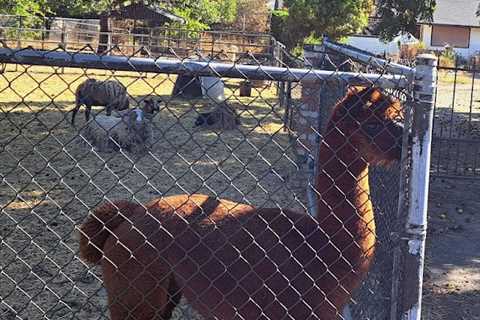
x=79, y=8
x=201, y=14
x=30, y=10
x=252, y=16
x=398, y=16
x=314, y=18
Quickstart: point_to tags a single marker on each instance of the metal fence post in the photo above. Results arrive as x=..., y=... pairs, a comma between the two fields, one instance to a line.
x=421, y=140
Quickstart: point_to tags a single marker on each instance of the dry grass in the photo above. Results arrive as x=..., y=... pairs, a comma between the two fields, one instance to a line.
x=449, y=77
x=52, y=178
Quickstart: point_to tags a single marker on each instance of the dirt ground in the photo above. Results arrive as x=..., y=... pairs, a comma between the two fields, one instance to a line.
x=51, y=178
x=452, y=277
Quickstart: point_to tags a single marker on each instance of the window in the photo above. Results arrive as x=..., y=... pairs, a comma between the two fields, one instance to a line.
x=458, y=37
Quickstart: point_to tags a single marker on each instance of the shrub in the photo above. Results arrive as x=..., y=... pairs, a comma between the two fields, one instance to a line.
x=447, y=58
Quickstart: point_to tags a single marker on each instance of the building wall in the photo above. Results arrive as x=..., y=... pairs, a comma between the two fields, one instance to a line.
x=373, y=45
x=474, y=47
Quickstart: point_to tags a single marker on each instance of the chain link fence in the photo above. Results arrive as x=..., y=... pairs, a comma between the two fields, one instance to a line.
x=143, y=192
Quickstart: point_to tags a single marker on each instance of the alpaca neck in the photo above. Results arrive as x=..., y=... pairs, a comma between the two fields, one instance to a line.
x=344, y=209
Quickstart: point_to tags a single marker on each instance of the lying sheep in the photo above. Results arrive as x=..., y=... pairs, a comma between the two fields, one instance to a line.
x=150, y=106
x=222, y=117
x=131, y=131
x=110, y=93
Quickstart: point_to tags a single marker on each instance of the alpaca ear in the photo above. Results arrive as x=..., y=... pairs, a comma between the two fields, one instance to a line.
x=375, y=95
x=372, y=96
x=355, y=90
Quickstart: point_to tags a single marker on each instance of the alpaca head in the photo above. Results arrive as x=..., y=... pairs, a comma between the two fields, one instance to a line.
x=371, y=122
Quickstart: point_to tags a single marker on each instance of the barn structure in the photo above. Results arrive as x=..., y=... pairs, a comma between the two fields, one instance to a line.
x=136, y=17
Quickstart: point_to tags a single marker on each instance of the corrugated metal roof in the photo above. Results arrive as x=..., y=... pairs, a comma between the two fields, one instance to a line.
x=144, y=11
x=457, y=12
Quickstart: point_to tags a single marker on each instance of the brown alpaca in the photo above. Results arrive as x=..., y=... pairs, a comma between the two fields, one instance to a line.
x=234, y=261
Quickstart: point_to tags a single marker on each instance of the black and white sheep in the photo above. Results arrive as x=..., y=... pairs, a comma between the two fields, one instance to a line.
x=222, y=117
x=110, y=94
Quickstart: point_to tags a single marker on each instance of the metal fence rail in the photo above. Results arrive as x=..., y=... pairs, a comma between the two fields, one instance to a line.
x=198, y=68
x=130, y=186
x=368, y=59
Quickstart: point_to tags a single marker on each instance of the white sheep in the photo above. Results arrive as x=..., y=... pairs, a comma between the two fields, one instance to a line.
x=131, y=130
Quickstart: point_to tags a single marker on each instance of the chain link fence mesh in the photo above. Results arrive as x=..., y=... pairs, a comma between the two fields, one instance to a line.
x=375, y=298
x=227, y=138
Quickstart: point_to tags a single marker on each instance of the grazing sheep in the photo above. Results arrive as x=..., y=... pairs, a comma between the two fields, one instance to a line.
x=131, y=131
x=110, y=93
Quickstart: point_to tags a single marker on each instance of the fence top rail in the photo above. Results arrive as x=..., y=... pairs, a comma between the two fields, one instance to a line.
x=189, y=66
x=369, y=59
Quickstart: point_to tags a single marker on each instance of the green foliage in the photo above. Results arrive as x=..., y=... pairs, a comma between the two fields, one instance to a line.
x=201, y=14
x=30, y=10
x=228, y=11
x=311, y=19
x=191, y=20
x=252, y=16
x=402, y=16
x=448, y=57
x=79, y=8
x=279, y=25
x=33, y=10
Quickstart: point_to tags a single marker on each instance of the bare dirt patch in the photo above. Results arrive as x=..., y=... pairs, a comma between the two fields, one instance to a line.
x=452, y=275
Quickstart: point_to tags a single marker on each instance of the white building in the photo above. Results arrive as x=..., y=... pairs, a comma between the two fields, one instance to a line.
x=455, y=23
x=376, y=46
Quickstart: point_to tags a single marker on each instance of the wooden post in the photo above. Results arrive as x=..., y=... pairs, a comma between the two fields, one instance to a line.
x=134, y=33
x=103, y=34
x=63, y=41
x=419, y=174
x=213, y=44
x=19, y=32
x=150, y=38
x=109, y=41
x=63, y=36
x=45, y=23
